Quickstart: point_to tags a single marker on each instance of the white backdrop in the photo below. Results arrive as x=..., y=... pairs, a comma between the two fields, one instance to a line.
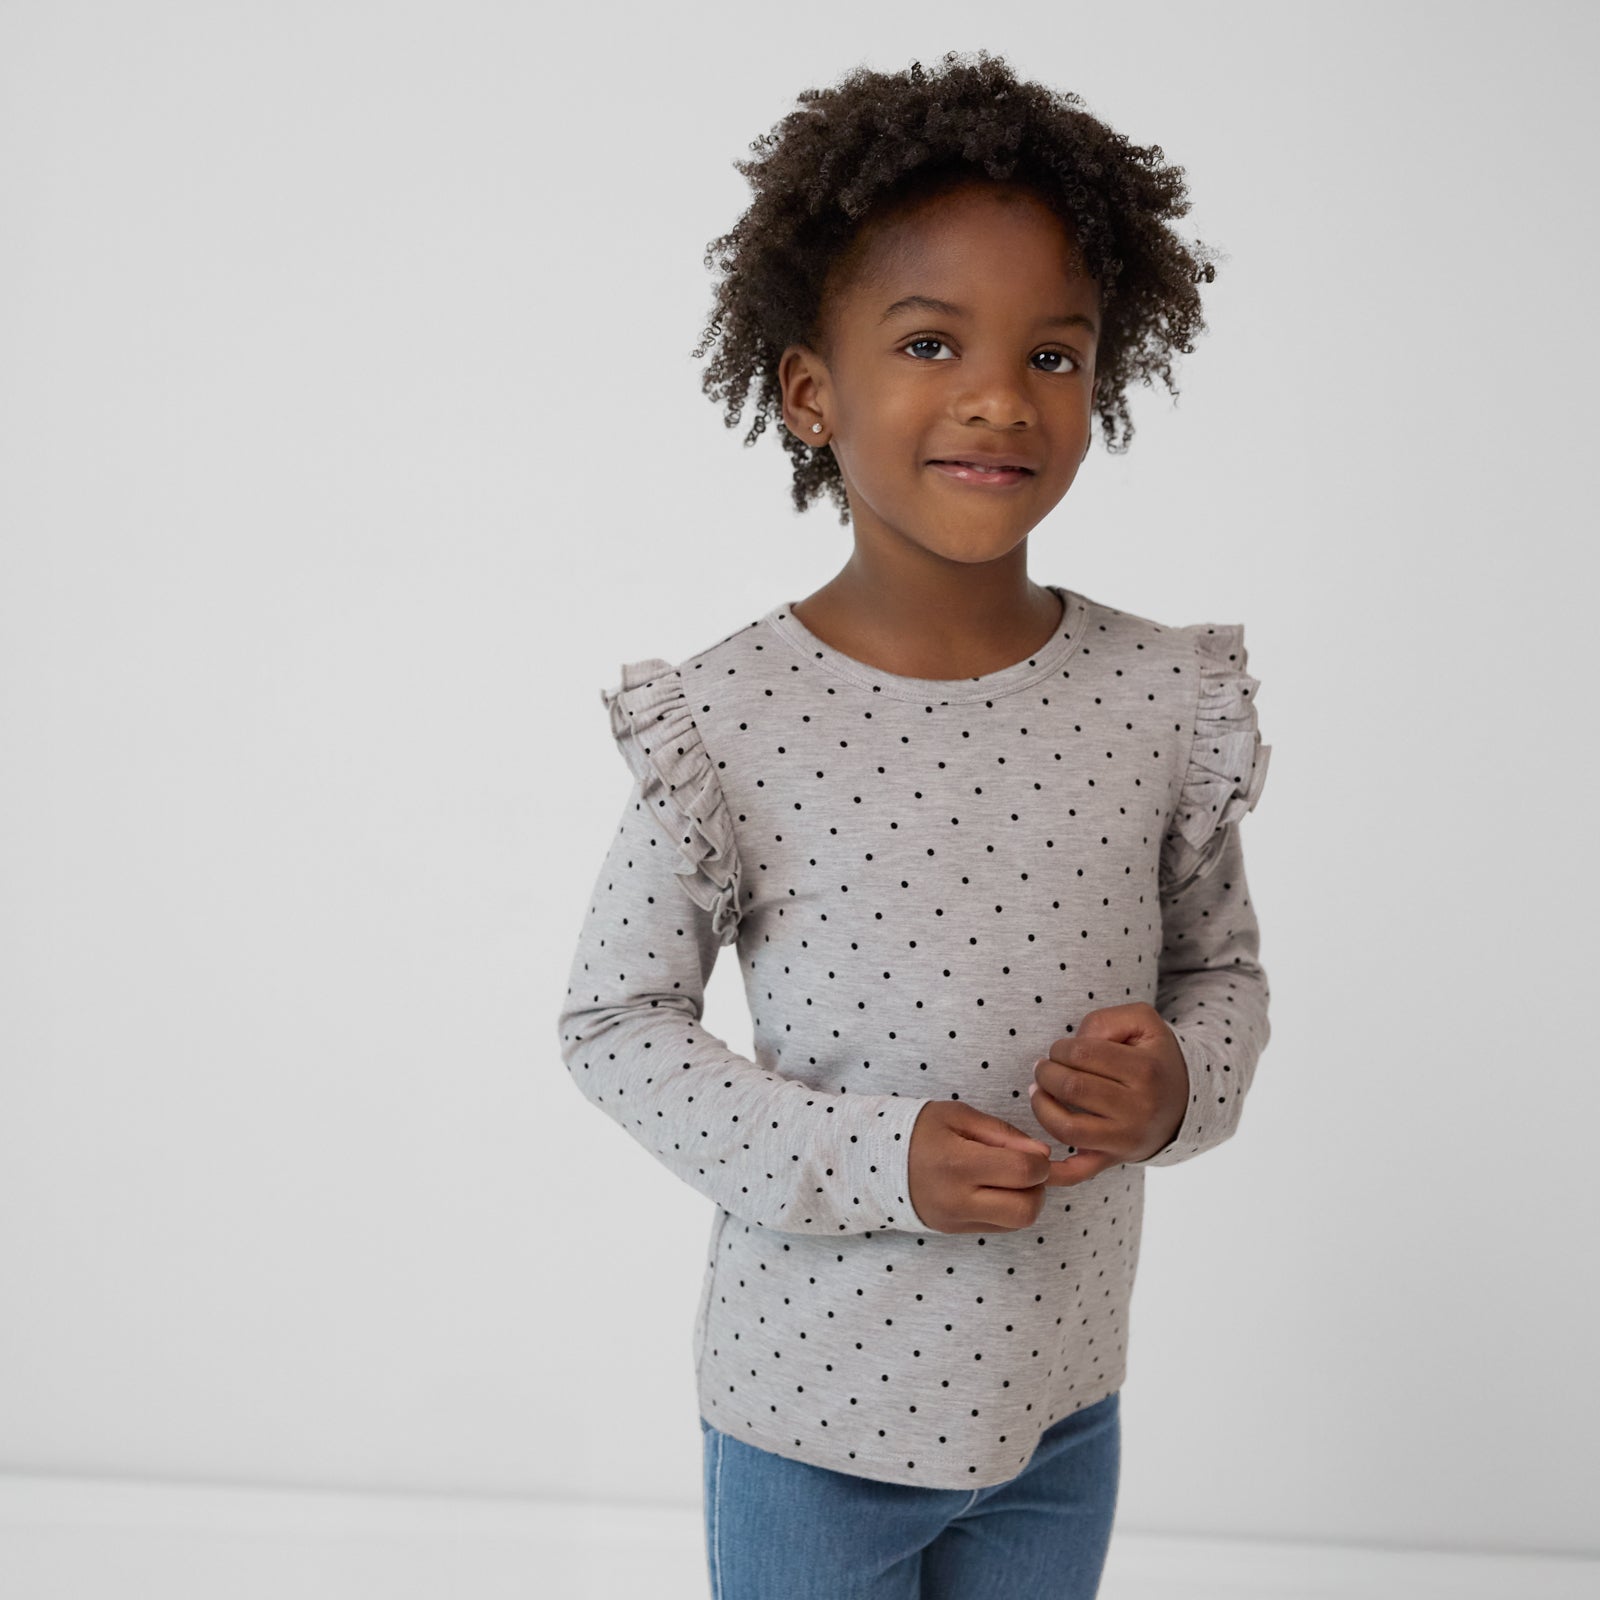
x=349, y=442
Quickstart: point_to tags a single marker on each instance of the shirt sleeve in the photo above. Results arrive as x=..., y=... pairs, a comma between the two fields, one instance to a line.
x=1212, y=989
x=770, y=1149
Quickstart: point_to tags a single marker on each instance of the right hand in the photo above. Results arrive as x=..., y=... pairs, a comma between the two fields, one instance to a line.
x=973, y=1173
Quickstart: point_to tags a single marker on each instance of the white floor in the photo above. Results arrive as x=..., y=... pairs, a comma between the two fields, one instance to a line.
x=90, y=1539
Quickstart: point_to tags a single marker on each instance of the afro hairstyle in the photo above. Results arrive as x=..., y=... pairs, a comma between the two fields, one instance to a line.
x=875, y=142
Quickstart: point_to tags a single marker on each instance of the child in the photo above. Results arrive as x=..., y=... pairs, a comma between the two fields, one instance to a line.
x=976, y=839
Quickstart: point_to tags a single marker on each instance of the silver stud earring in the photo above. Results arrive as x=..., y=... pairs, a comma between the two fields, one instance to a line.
x=816, y=427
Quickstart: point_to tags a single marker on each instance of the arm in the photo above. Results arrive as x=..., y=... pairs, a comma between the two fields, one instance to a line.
x=769, y=1149
x=1212, y=990
x=1213, y=994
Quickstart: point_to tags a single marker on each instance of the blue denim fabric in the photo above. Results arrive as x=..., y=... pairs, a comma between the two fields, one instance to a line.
x=778, y=1529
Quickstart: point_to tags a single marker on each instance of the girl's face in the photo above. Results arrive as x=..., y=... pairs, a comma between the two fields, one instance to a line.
x=1005, y=365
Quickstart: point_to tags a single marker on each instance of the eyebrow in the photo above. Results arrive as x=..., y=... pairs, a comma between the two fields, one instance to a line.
x=923, y=302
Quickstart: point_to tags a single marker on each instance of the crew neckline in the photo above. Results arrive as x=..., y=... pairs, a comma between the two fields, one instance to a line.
x=946, y=691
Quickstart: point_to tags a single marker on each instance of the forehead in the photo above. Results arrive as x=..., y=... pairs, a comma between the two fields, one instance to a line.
x=971, y=235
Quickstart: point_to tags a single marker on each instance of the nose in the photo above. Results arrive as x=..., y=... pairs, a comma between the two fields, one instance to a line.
x=996, y=394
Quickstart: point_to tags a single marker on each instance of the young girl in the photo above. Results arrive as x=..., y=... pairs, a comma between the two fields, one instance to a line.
x=976, y=839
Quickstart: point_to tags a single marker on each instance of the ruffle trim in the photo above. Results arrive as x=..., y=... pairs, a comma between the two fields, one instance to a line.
x=656, y=731
x=1227, y=760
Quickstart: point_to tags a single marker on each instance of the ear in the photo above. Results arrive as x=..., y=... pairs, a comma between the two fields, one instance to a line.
x=798, y=387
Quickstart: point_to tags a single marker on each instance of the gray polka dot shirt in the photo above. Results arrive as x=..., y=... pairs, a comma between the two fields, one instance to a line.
x=927, y=881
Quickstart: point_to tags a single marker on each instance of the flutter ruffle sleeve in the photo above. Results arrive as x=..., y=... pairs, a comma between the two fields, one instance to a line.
x=655, y=729
x=1227, y=760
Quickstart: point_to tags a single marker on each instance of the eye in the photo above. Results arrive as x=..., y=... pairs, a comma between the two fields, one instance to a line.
x=1061, y=355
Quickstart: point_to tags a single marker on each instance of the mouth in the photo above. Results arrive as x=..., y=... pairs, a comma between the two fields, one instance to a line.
x=977, y=472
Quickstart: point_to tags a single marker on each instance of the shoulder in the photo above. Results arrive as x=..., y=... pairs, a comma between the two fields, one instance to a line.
x=1224, y=759
x=744, y=655
x=733, y=682
x=1206, y=663
x=664, y=716
x=1183, y=652
x=650, y=680
x=1198, y=669
x=654, y=725
x=1199, y=672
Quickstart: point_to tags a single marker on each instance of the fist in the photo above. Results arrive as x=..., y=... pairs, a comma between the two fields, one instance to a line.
x=1116, y=1090
x=973, y=1173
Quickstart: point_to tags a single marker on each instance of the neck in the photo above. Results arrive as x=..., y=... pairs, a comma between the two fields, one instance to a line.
x=933, y=619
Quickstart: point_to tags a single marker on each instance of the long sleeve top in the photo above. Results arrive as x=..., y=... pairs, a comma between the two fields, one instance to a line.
x=926, y=882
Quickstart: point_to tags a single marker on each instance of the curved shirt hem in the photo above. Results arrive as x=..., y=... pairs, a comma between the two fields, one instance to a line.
x=882, y=1468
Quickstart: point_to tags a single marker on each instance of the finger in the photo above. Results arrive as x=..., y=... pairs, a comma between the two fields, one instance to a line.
x=1067, y=1123
x=1052, y=1115
x=1020, y=1169
x=1135, y=1020
x=1076, y=1168
x=1003, y=1168
x=1070, y=1086
x=996, y=1132
x=1007, y=1209
x=1097, y=1058
x=1022, y=1165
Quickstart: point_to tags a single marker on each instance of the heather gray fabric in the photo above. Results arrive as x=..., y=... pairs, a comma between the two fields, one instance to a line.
x=928, y=882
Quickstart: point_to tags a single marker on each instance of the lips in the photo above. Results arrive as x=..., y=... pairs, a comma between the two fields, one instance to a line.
x=981, y=466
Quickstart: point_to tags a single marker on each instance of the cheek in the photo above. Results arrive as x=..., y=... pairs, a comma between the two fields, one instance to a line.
x=881, y=453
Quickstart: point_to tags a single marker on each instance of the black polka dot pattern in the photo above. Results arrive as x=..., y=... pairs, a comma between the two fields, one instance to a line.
x=927, y=881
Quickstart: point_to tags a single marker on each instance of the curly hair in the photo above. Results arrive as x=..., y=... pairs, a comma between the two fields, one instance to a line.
x=875, y=142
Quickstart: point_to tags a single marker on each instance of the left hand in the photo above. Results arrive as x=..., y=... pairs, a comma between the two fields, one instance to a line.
x=1118, y=1089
